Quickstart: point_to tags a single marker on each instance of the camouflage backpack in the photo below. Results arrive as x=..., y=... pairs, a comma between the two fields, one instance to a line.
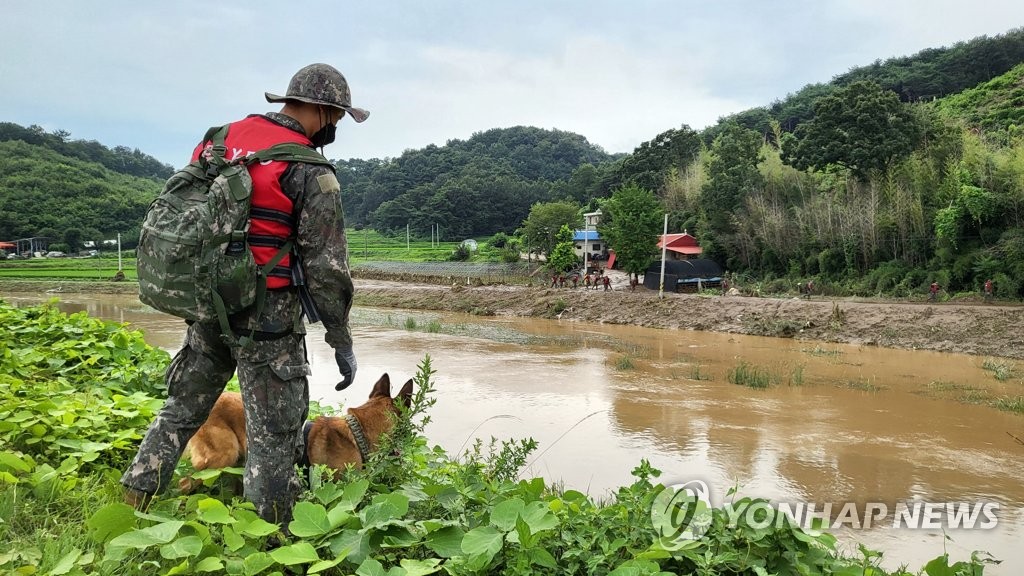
x=193, y=255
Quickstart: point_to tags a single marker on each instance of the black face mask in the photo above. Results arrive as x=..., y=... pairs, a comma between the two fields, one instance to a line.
x=324, y=136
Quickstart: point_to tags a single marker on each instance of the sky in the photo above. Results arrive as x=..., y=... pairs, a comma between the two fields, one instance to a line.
x=156, y=75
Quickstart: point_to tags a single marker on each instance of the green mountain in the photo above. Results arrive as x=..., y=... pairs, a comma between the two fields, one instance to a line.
x=995, y=106
x=120, y=159
x=469, y=187
x=69, y=200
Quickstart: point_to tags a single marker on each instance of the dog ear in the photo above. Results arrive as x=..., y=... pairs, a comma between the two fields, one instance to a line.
x=405, y=394
x=382, y=387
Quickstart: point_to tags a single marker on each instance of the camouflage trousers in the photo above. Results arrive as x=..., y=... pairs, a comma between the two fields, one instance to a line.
x=275, y=391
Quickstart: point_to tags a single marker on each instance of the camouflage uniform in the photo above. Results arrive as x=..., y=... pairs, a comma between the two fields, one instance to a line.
x=272, y=371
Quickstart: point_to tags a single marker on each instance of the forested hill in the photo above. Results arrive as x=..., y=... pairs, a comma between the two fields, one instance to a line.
x=44, y=193
x=119, y=159
x=996, y=106
x=468, y=187
x=930, y=74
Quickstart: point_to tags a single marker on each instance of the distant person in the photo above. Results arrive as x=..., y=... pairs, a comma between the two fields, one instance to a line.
x=633, y=281
x=291, y=201
x=586, y=280
x=933, y=291
x=725, y=286
x=575, y=280
x=607, y=283
x=810, y=289
x=561, y=280
x=988, y=289
x=554, y=280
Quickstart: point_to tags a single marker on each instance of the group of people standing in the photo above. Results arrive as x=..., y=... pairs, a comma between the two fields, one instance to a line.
x=590, y=280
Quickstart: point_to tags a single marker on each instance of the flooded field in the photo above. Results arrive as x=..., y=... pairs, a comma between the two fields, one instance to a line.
x=836, y=424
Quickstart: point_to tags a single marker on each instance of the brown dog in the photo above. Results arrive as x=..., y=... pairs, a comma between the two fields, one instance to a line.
x=335, y=441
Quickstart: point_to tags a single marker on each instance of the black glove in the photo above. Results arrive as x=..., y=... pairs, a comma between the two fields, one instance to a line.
x=346, y=360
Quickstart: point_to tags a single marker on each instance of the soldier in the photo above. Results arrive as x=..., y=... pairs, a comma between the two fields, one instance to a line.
x=290, y=199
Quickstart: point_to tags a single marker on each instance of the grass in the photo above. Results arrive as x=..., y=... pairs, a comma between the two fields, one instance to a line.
x=819, y=351
x=796, y=377
x=745, y=374
x=410, y=323
x=999, y=369
x=1010, y=404
x=625, y=362
x=862, y=385
x=696, y=372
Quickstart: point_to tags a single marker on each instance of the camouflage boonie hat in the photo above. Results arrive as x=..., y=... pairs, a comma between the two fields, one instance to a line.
x=321, y=84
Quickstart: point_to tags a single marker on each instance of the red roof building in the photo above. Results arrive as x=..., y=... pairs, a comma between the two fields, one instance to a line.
x=680, y=246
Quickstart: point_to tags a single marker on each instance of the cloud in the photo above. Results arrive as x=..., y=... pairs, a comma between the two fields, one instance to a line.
x=155, y=76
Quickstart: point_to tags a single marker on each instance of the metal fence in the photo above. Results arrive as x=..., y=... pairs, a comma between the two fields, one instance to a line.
x=448, y=272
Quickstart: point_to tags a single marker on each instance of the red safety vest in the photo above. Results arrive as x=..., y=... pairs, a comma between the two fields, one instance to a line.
x=270, y=218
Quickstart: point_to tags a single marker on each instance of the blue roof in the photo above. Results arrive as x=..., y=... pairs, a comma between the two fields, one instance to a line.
x=589, y=235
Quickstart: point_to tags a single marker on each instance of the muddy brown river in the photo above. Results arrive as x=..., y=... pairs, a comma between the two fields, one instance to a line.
x=839, y=424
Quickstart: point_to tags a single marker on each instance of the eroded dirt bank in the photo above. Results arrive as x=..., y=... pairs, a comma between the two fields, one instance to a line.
x=946, y=327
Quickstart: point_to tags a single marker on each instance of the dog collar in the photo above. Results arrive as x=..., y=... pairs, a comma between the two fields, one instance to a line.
x=357, y=433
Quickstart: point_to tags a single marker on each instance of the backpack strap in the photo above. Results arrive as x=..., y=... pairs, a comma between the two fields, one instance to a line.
x=288, y=152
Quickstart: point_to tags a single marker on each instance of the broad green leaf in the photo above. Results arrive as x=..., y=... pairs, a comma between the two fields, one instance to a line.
x=298, y=553
x=483, y=542
x=213, y=511
x=370, y=567
x=209, y=564
x=354, y=493
x=338, y=516
x=420, y=567
x=323, y=565
x=110, y=521
x=538, y=516
x=256, y=563
x=446, y=542
x=309, y=519
x=182, y=548
x=504, y=515
x=353, y=545
x=232, y=541
x=542, y=557
x=146, y=537
x=327, y=493
x=14, y=462
x=66, y=563
x=259, y=528
x=385, y=507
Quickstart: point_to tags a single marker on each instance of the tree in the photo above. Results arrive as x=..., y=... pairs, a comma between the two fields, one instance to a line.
x=732, y=176
x=631, y=222
x=562, y=257
x=546, y=219
x=861, y=127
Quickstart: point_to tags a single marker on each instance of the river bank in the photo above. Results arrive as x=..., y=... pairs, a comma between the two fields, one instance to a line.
x=984, y=330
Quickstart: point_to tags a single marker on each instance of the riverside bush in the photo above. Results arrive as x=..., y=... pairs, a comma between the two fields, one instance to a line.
x=412, y=510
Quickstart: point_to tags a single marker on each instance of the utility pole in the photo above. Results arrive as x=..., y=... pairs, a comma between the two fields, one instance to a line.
x=119, y=252
x=661, y=284
x=406, y=236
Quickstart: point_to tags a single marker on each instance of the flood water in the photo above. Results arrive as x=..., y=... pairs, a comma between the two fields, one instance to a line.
x=840, y=424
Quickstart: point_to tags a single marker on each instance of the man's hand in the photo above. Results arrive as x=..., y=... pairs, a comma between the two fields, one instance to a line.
x=346, y=360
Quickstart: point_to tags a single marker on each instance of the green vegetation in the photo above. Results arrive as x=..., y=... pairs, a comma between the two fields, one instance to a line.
x=994, y=106
x=68, y=200
x=1001, y=370
x=77, y=394
x=890, y=177
x=625, y=362
x=631, y=219
x=751, y=376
